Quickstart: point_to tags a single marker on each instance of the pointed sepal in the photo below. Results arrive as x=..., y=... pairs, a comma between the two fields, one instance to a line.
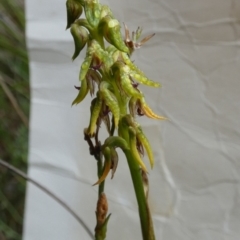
x=82, y=92
x=114, y=158
x=144, y=141
x=133, y=146
x=149, y=112
x=96, y=107
x=107, y=165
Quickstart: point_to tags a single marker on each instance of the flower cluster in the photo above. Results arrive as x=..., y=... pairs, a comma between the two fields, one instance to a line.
x=109, y=74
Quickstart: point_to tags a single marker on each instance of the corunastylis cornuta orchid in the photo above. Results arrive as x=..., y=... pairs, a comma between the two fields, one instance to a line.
x=112, y=79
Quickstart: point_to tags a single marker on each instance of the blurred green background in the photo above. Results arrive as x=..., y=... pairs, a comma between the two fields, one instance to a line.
x=14, y=114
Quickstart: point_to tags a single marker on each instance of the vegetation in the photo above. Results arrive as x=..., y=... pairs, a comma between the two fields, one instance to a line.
x=14, y=111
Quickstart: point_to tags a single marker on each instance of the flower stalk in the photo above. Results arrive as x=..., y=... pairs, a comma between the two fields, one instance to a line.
x=110, y=76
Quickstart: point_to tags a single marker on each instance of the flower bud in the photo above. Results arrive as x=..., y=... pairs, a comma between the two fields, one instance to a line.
x=105, y=11
x=80, y=36
x=93, y=12
x=74, y=11
x=110, y=29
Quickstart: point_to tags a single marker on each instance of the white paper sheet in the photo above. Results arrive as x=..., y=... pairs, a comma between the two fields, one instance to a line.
x=194, y=186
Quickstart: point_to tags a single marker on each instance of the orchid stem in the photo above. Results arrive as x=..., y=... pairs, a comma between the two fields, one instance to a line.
x=144, y=213
x=100, y=170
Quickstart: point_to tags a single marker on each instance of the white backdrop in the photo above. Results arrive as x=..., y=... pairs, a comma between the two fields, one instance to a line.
x=194, y=186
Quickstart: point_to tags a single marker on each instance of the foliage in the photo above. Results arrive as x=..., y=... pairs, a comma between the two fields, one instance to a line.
x=14, y=111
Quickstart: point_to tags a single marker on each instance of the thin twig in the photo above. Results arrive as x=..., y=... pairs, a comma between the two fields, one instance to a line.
x=57, y=199
x=13, y=102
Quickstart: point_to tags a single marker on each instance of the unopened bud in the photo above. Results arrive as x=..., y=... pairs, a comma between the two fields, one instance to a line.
x=110, y=29
x=92, y=10
x=80, y=36
x=74, y=11
x=105, y=11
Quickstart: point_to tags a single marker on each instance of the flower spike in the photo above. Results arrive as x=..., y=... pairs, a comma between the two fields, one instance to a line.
x=109, y=75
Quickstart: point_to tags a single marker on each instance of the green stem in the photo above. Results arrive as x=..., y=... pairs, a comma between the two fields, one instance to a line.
x=144, y=213
x=143, y=209
x=100, y=170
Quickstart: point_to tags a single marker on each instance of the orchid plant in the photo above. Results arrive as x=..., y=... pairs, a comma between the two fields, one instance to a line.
x=112, y=79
